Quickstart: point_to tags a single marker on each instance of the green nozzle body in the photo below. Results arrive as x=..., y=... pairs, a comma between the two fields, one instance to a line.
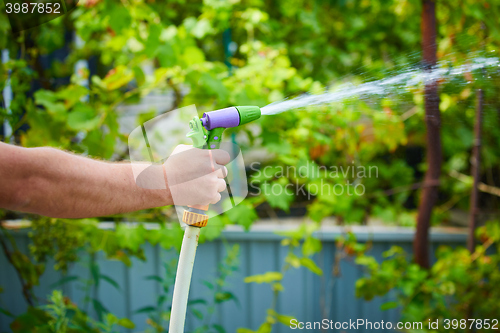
x=248, y=113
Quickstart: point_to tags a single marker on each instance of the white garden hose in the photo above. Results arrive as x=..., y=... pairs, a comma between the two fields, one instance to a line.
x=183, y=279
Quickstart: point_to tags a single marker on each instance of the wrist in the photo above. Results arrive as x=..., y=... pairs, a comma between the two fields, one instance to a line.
x=167, y=193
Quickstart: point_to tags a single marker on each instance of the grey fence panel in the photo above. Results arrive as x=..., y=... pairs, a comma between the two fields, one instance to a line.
x=205, y=269
x=109, y=295
x=307, y=297
x=144, y=293
x=293, y=299
x=262, y=259
x=234, y=314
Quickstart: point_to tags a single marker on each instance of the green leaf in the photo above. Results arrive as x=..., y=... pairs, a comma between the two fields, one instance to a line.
x=213, y=229
x=165, y=315
x=219, y=328
x=394, y=250
x=201, y=329
x=201, y=28
x=127, y=323
x=277, y=286
x=130, y=237
x=154, y=278
x=192, y=55
x=161, y=299
x=297, y=234
x=153, y=236
x=224, y=296
x=166, y=55
x=278, y=195
x=283, y=319
x=83, y=118
x=64, y=280
x=197, y=301
x=368, y=261
x=293, y=260
x=243, y=214
x=265, y=328
x=214, y=86
x=388, y=306
x=311, y=246
x=208, y=284
x=7, y=313
x=49, y=100
x=311, y=265
x=118, y=77
x=308, y=169
x=171, y=237
x=111, y=319
x=119, y=17
x=110, y=281
x=264, y=278
x=45, y=97
x=197, y=313
x=146, y=309
x=72, y=94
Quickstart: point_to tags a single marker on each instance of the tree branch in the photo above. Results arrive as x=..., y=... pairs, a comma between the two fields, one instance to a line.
x=433, y=137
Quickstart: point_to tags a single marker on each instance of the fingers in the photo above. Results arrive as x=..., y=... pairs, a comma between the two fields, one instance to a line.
x=221, y=157
x=196, y=176
x=221, y=171
x=221, y=185
x=216, y=199
x=212, y=187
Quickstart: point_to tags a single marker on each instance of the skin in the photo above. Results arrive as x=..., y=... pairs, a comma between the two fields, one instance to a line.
x=55, y=183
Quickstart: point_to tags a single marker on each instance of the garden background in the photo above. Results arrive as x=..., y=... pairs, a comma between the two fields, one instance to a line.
x=78, y=83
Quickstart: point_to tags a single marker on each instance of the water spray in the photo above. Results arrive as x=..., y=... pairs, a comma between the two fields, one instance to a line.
x=206, y=133
x=408, y=78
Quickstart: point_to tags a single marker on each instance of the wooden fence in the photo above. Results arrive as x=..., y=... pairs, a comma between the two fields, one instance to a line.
x=308, y=297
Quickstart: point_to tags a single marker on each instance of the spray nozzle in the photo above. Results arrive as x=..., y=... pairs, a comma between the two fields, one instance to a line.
x=230, y=117
x=208, y=130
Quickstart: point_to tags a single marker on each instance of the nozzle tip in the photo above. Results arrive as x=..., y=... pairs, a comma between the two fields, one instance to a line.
x=248, y=113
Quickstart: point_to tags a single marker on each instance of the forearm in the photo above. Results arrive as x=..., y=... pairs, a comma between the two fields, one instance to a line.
x=53, y=183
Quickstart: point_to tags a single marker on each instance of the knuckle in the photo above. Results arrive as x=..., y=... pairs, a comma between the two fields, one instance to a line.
x=216, y=198
x=227, y=157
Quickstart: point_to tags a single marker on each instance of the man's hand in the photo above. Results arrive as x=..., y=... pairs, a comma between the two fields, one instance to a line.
x=196, y=176
x=54, y=183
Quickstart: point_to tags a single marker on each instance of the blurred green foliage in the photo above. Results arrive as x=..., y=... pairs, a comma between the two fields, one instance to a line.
x=460, y=285
x=276, y=50
x=61, y=315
